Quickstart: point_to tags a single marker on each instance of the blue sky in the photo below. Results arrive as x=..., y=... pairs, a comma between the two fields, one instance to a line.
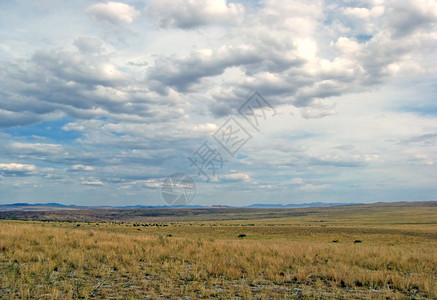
x=101, y=101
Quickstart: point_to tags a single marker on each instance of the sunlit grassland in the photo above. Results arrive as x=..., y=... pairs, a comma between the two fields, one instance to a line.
x=309, y=255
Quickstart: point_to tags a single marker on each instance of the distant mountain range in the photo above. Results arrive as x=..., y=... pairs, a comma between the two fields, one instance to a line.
x=312, y=204
x=58, y=206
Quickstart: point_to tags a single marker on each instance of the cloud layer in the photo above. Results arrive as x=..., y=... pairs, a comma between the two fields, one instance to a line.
x=114, y=104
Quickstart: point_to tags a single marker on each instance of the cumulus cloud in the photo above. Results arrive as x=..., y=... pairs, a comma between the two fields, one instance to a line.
x=113, y=13
x=364, y=13
x=301, y=185
x=83, y=84
x=182, y=72
x=194, y=13
x=92, y=182
x=235, y=177
x=154, y=183
x=285, y=64
x=208, y=127
x=11, y=169
x=75, y=68
x=114, y=20
x=288, y=64
x=81, y=168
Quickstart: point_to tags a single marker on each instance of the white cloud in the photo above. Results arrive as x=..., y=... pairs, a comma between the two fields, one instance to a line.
x=113, y=13
x=92, y=182
x=301, y=185
x=347, y=46
x=35, y=148
x=365, y=13
x=153, y=183
x=235, y=177
x=311, y=187
x=80, y=167
x=207, y=127
x=314, y=113
x=15, y=167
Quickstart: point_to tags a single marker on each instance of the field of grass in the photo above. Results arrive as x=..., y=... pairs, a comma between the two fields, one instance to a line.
x=366, y=251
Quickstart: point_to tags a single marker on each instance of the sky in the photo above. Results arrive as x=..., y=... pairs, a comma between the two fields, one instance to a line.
x=257, y=101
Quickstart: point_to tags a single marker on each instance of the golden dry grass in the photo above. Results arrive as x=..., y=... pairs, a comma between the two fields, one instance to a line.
x=288, y=258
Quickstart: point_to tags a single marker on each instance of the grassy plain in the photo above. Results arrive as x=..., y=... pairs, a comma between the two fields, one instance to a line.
x=367, y=251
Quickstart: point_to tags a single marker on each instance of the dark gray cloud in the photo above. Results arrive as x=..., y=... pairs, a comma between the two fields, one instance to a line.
x=182, y=73
x=83, y=85
x=407, y=17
